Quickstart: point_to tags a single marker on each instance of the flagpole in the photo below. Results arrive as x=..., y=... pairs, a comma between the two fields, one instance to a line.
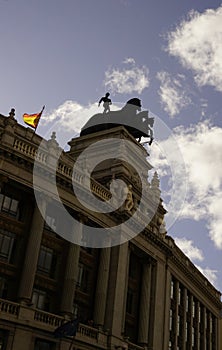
x=71, y=344
x=40, y=116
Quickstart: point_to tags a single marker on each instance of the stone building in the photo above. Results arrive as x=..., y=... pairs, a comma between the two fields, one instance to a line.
x=141, y=294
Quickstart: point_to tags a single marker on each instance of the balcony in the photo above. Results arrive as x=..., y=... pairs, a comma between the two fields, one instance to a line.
x=37, y=319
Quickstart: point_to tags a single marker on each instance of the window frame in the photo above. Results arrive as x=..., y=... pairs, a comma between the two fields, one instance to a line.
x=8, y=208
x=7, y=244
x=43, y=266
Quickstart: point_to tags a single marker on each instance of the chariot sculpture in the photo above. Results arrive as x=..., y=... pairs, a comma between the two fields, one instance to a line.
x=137, y=122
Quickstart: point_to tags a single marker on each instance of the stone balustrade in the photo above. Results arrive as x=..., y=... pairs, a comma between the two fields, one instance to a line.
x=100, y=191
x=47, y=318
x=10, y=310
x=47, y=321
x=132, y=346
x=9, y=307
x=26, y=143
x=87, y=331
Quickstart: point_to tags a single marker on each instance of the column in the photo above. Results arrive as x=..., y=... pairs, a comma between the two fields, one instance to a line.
x=197, y=325
x=144, y=305
x=116, y=289
x=167, y=307
x=176, y=315
x=203, y=328
x=130, y=247
x=102, y=287
x=71, y=274
x=157, y=307
x=184, y=319
x=32, y=252
x=190, y=322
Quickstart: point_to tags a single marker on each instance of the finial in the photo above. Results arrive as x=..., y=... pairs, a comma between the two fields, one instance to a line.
x=162, y=229
x=52, y=143
x=155, y=183
x=12, y=113
x=53, y=136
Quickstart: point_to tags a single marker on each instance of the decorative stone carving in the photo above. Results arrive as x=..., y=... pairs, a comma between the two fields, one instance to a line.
x=129, y=202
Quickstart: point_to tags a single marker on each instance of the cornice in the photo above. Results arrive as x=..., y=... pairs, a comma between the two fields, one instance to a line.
x=195, y=277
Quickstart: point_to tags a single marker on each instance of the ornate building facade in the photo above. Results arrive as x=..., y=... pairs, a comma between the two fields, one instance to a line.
x=143, y=294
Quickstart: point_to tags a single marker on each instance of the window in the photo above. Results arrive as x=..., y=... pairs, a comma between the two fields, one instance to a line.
x=47, y=261
x=7, y=242
x=130, y=302
x=9, y=205
x=40, y=300
x=178, y=324
x=171, y=319
x=172, y=289
x=87, y=250
x=75, y=310
x=193, y=308
x=187, y=303
x=50, y=223
x=41, y=344
x=179, y=295
x=83, y=278
x=133, y=267
x=3, y=289
x=193, y=334
x=3, y=339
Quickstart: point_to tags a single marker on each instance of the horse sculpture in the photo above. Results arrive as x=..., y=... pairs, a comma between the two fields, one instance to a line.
x=130, y=116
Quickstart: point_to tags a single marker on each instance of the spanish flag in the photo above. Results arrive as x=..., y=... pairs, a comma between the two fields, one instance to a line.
x=33, y=119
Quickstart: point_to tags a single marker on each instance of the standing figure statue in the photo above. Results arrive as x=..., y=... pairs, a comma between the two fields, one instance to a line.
x=106, y=102
x=129, y=203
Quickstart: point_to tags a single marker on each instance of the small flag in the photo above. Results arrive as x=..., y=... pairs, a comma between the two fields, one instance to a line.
x=67, y=329
x=33, y=119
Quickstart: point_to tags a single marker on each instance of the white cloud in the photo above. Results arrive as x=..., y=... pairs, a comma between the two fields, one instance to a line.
x=187, y=246
x=71, y=115
x=68, y=119
x=197, y=42
x=129, y=60
x=127, y=80
x=172, y=94
x=210, y=274
x=201, y=148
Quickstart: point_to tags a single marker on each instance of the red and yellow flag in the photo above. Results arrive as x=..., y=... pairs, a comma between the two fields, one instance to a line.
x=32, y=119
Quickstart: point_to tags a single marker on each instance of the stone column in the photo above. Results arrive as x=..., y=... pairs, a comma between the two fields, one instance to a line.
x=190, y=321
x=126, y=288
x=203, y=326
x=144, y=305
x=167, y=306
x=184, y=318
x=176, y=325
x=116, y=289
x=71, y=274
x=102, y=287
x=32, y=252
x=157, y=307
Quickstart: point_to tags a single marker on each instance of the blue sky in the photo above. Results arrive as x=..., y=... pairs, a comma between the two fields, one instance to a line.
x=67, y=54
